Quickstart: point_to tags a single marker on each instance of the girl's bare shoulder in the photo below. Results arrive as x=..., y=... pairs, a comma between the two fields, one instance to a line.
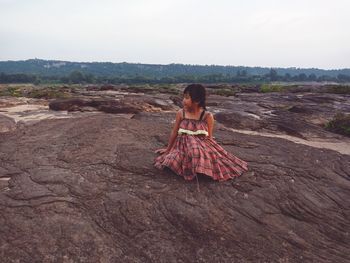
x=179, y=114
x=208, y=115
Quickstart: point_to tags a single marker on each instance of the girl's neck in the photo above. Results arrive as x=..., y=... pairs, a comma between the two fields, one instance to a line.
x=194, y=110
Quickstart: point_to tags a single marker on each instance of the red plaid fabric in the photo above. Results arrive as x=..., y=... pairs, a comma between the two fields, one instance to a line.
x=193, y=154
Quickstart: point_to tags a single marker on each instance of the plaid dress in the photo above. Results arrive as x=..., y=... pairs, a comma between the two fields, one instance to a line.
x=194, y=152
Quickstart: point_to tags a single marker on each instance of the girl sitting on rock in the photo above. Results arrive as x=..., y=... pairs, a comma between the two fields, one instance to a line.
x=191, y=149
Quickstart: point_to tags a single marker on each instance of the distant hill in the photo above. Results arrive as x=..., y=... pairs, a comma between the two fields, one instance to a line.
x=107, y=69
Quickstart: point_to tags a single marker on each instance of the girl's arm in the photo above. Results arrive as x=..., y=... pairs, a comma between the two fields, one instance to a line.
x=210, y=122
x=173, y=134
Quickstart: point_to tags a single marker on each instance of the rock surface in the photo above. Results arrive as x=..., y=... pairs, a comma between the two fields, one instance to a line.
x=85, y=190
x=7, y=124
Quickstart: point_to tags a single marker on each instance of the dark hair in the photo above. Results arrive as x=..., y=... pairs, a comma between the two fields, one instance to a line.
x=197, y=94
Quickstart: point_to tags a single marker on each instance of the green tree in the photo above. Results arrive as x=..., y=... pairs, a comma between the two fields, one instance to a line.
x=273, y=75
x=76, y=77
x=312, y=77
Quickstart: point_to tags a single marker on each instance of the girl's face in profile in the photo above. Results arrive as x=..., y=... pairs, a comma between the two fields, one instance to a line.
x=187, y=101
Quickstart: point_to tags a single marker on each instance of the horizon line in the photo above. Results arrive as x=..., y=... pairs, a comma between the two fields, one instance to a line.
x=185, y=64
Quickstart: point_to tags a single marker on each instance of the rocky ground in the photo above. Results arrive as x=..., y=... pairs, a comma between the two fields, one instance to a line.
x=77, y=182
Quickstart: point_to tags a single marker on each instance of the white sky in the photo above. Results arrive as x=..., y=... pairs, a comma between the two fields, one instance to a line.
x=269, y=33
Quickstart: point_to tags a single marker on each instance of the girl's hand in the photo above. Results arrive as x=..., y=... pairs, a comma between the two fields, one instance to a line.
x=161, y=151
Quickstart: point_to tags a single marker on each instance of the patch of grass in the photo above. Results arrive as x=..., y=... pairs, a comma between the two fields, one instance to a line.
x=265, y=88
x=170, y=89
x=224, y=92
x=338, y=89
x=48, y=93
x=339, y=124
x=139, y=89
x=38, y=93
x=11, y=91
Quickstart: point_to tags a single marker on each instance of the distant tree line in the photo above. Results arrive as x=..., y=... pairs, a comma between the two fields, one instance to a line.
x=18, y=78
x=241, y=76
x=50, y=68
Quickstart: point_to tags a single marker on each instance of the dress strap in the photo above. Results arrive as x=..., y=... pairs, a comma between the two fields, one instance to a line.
x=183, y=113
x=202, y=115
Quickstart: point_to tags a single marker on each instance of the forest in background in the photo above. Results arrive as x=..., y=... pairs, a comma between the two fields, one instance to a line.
x=52, y=71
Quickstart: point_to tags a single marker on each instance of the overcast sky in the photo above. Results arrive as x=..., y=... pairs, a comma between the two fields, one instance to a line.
x=269, y=33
